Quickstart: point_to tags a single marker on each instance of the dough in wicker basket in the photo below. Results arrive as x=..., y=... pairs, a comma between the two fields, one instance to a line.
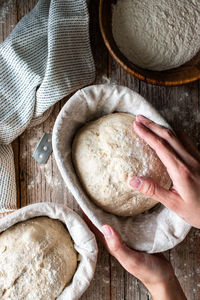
x=38, y=260
x=106, y=154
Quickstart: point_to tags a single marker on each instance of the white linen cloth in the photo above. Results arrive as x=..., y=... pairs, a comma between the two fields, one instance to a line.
x=154, y=231
x=46, y=57
x=83, y=238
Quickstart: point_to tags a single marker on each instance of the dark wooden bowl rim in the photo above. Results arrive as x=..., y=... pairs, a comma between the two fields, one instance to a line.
x=186, y=73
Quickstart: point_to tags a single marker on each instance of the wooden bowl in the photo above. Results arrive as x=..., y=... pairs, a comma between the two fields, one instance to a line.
x=186, y=73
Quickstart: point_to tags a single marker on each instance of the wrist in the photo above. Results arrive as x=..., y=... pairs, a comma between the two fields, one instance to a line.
x=167, y=290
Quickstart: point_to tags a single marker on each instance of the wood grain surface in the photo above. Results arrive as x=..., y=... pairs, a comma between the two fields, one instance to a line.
x=38, y=183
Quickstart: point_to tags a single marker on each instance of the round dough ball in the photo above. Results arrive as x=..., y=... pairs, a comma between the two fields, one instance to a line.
x=106, y=154
x=157, y=34
x=38, y=260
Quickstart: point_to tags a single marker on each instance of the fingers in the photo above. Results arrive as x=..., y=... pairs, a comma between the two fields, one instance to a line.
x=168, y=136
x=160, y=146
x=150, y=269
x=129, y=259
x=153, y=190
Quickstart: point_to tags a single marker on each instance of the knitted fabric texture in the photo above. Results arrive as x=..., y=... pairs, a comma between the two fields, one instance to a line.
x=45, y=58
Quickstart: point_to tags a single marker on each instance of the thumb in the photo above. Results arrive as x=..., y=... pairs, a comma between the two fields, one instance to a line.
x=152, y=189
x=128, y=258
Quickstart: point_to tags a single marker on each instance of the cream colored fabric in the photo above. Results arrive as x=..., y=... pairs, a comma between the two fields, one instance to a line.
x=107, y=154
x=84, y=244
x=155, y=231
x=38, y=260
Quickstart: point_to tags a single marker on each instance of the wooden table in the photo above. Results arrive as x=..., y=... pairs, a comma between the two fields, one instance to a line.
x=37, y=183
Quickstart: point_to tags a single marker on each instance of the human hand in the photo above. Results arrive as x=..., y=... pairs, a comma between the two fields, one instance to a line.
x=183, y=167
x=154, y=270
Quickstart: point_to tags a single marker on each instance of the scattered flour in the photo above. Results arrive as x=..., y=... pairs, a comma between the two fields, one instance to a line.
x=180, y=114
x=106, y=155
x=52, y=180
x=157, y=34
x=5, y=7
x=33, y=142
x=106, y=80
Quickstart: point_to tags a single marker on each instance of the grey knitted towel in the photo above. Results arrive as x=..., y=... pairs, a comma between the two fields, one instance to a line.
x=46, y=57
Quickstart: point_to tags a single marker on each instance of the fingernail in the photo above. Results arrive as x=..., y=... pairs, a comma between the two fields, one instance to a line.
x=140, y=118
x=137, y=124
x=107, y=231
x=135, y=182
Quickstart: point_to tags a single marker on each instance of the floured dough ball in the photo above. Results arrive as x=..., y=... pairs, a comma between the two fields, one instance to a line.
x=106, y=154
x=157, y=34
x=37, y=260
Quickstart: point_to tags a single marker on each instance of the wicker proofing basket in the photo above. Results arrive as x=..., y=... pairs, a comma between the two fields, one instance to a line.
x=83, y=238
x=155, y=231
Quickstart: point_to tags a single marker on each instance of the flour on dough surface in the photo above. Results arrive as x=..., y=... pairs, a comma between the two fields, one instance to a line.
x=106, y=155
x=38, y=260
x=157, y=34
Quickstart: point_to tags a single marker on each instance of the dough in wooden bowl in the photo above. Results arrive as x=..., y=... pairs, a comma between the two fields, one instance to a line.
x=38, y=259
x=107, y=154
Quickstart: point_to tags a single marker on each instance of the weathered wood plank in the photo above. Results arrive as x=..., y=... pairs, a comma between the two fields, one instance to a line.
x=100, y=285
x=8, y=18
x=117, y=280
x=186, y=261
x=23, y=7
x=36, y=183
